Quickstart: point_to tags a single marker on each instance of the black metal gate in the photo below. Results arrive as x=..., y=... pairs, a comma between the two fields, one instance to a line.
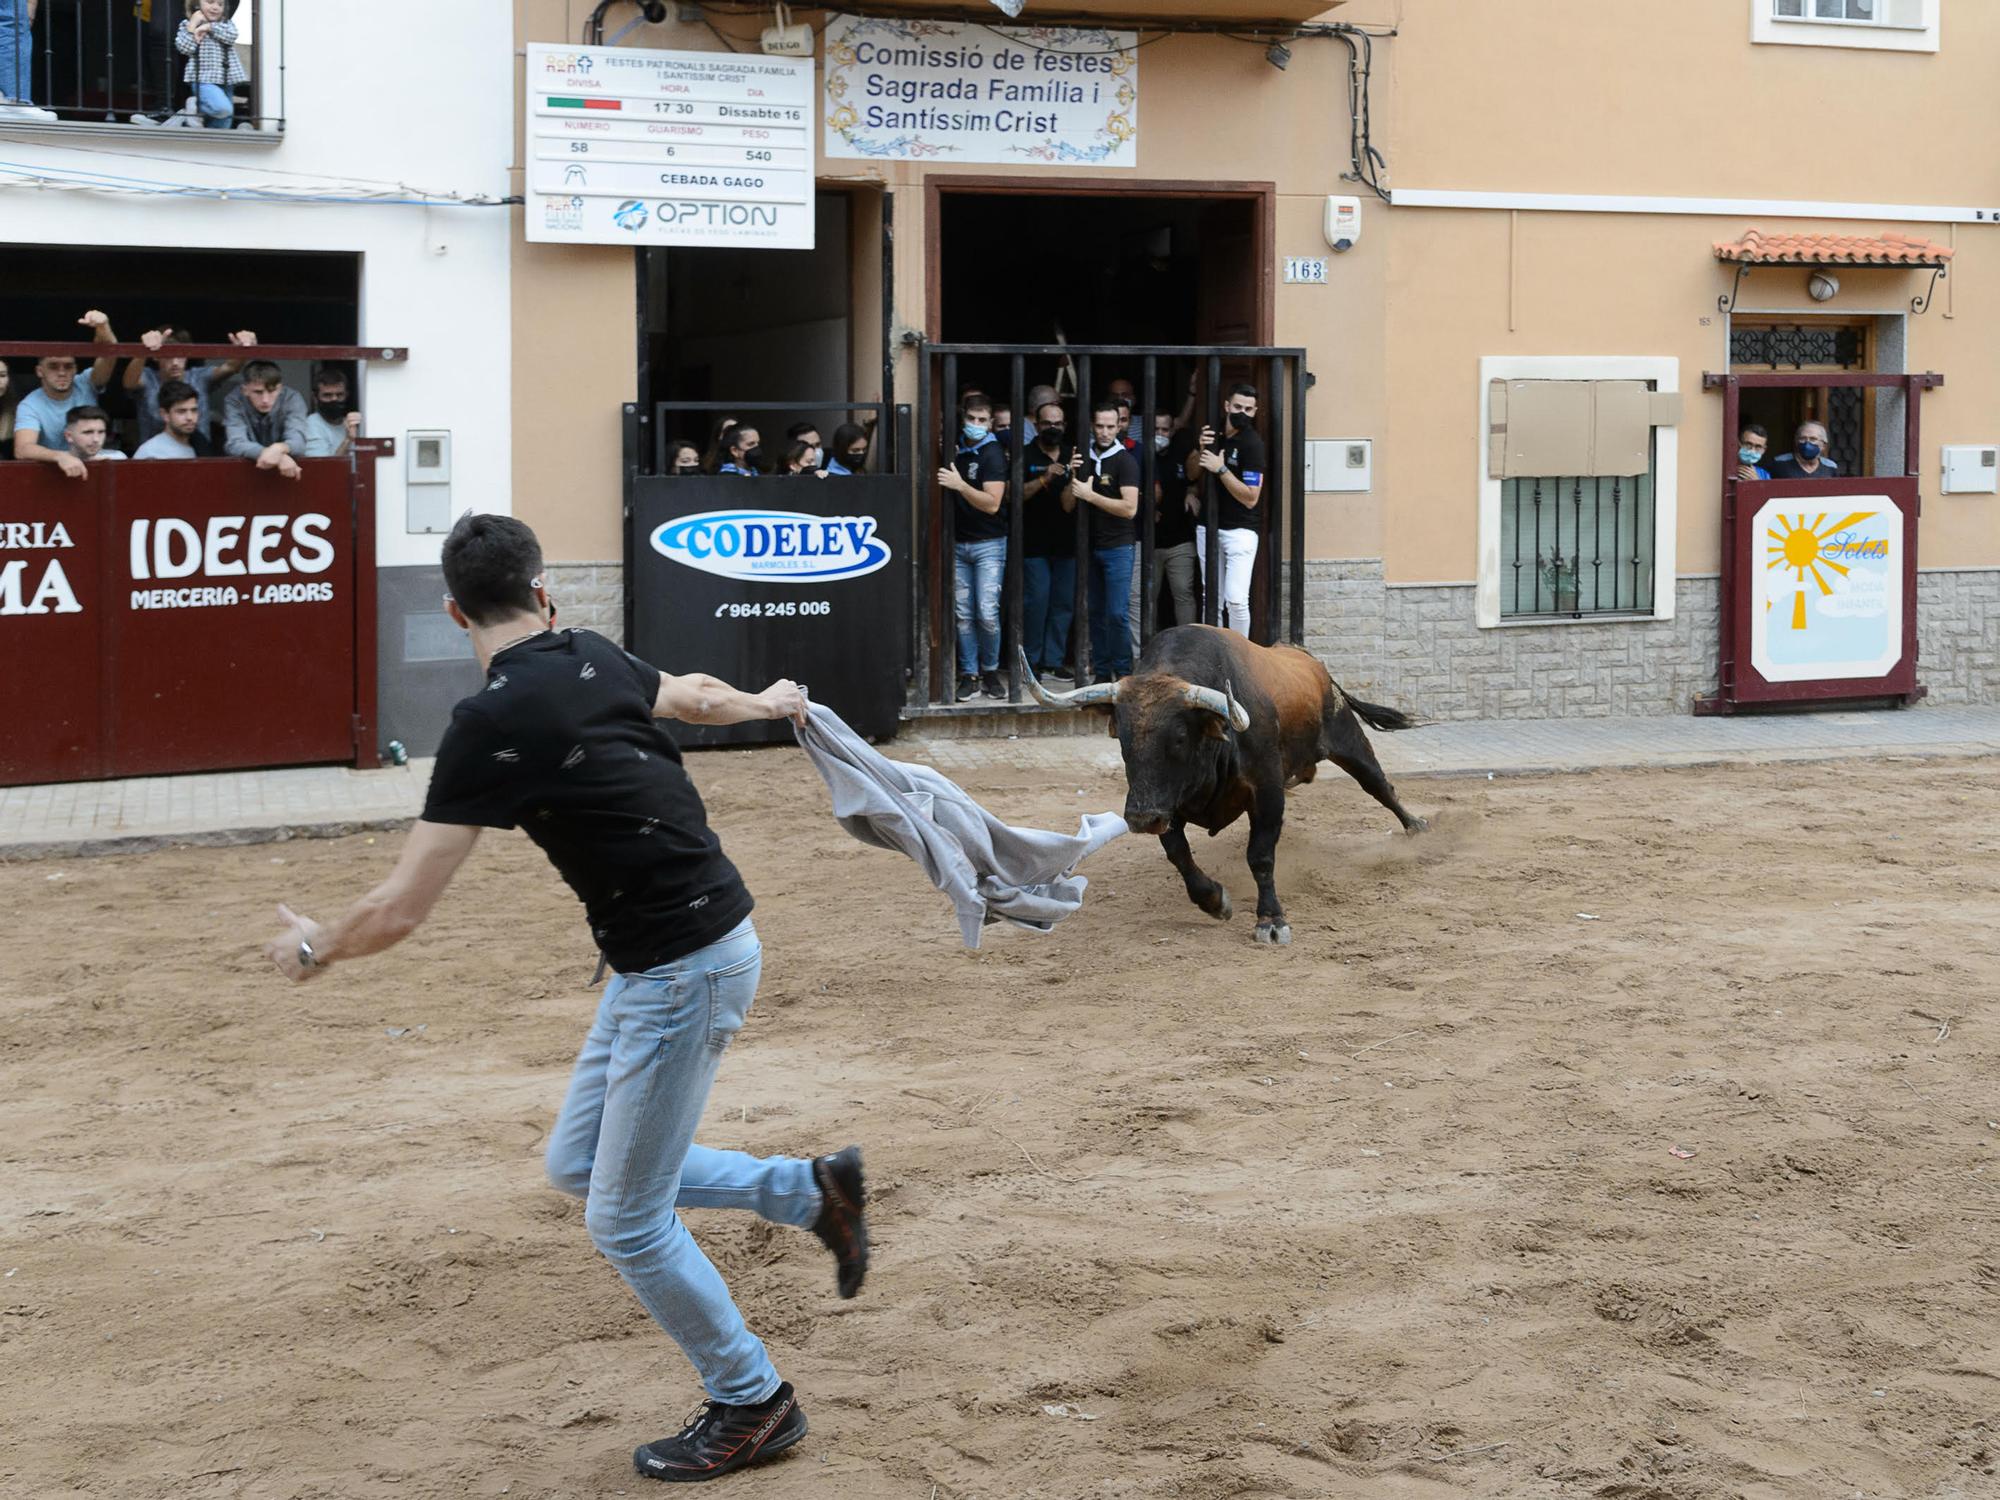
x=779, y=576
x=1281, y=376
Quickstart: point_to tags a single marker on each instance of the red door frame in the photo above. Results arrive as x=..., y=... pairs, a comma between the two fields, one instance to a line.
x=1739, y=684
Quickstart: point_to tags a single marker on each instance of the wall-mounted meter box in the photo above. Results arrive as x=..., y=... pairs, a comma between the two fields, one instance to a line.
x=1343, y=222
x=1970, y=469
x=1339, y=465
x=427, y=477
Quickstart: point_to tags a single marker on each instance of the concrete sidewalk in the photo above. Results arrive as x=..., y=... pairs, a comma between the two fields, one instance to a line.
x=244, y=807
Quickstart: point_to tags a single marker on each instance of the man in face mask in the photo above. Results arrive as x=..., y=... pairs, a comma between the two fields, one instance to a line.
x=1750, y=445
x=330, y=427
x=1808, y=459
x=976, y=479
x=1173, y=517
x=1235, y=460
x=1048, y=543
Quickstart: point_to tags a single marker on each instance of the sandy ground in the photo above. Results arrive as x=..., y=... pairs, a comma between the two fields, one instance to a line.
x=1394, y=1212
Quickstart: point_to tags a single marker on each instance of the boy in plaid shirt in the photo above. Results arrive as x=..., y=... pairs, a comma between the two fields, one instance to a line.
x=209, y=44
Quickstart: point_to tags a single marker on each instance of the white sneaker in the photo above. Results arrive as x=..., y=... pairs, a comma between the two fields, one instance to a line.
x=16, y=112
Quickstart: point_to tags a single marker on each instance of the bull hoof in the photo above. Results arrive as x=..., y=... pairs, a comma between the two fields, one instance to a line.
x=1278, y=934
x=1419, y=825
x=1221, y=908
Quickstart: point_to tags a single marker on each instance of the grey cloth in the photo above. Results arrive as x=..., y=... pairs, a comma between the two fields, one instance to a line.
x=991, y=870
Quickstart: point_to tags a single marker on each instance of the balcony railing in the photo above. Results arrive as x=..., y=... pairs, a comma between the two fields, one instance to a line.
x=112, y=63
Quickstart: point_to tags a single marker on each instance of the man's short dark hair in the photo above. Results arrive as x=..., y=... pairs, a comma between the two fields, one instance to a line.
x=174, y=392
x=1244, y=388
x=262, y=372
x=977, y=401
x=1754, y=429
x=799, y=429
x=491, y=566
x=328, y=375
x=87, y=414
x=1111, y=404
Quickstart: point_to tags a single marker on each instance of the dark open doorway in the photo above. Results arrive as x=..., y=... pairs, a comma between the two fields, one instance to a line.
x=1125, y=264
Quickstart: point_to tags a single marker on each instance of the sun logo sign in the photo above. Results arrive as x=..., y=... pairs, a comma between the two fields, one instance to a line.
x=1828, y=602
x=1803, y=549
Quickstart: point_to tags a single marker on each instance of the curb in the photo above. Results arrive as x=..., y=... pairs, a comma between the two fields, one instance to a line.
x=202, y=838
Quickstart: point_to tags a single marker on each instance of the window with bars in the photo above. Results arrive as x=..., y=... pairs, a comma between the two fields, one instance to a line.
x=1575, y=546
x=1798, y=347
x=113, y=63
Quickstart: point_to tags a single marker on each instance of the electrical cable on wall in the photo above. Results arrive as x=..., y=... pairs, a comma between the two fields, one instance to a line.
x=23, y=174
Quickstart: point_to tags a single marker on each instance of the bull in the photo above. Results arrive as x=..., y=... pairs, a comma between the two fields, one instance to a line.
x=1212, y=727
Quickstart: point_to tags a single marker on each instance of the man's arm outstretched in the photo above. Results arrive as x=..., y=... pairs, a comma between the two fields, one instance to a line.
x=386, y=915
x=700, y=699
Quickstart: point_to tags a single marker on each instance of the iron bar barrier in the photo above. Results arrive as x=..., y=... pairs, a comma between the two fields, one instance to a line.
x=141, y=81
x=1280, y=604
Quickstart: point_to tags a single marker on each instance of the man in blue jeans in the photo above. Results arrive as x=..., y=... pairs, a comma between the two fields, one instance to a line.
x=17, y=65
x=562, y=742
x=976, y=479
x=1110, y=486
x=1048, y=540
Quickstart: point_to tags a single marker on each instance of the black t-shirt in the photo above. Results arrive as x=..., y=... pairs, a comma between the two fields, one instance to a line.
x=1173, y=526
x=1243, y=456
x=980, y=466
x=1109, y=473
x=1786, y=466
x=1047, y=529
x=563, y=744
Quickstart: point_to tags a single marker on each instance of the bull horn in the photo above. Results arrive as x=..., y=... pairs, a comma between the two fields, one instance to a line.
x=1084, y=697
x=1223, y=704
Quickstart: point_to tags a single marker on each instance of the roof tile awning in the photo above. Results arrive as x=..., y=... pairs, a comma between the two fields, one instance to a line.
x=1889, y=248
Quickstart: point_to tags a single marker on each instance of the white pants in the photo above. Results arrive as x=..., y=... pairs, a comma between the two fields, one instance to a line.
x=1239, y=561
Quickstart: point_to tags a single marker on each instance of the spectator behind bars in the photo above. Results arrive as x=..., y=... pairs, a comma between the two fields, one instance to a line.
x=1048, y=543
x=744, y=454
x=85, y=430
x=800, y=458
x=181, y=433
x=6, y=411
x=849, y=454
x=807, y=433
x=1750, y=445
x=263, y=419
x=145, y=377
x=1111, y=488
x=1173, y=521
x=44, y=412
x=718, y=445
x=976, y=479
x=683, y=457
x=208, y=42
x=17, y=66
x=331, y=427
x=1808, y=459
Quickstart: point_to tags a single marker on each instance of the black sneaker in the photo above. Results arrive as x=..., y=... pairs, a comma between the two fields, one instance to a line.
x=992, y=686
x=1059, y=676
x=842, y=1226
x=968, y=688
x=721, y=1439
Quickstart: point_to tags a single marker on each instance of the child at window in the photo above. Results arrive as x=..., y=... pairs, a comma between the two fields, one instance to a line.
x=209, y=44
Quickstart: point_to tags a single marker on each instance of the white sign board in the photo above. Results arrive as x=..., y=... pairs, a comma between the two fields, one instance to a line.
x=944, y=90
x=1828, y=600
x=627, y=146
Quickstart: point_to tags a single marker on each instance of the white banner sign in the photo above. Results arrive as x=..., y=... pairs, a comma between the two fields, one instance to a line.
x=936, y=90
x=669, y=148
x=1828, y=600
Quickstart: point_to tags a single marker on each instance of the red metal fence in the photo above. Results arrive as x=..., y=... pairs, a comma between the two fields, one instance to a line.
x=195, y=615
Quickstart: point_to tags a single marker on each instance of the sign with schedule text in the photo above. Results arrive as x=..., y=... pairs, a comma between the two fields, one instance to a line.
x=634, y=147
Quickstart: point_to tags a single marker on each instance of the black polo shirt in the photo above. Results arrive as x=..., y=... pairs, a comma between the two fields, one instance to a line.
x=1174, y=526
x=562, y=743
x=1047, y=530
x=1243, y=456
x=980, y=467
x=1108, y=473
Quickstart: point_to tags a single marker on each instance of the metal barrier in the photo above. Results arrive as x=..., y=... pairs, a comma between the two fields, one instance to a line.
x=778, y=576
x=192, y=615
x=102, y=62
x=1282, y=399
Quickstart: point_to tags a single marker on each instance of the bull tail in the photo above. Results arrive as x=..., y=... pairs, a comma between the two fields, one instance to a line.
x=1377, y=716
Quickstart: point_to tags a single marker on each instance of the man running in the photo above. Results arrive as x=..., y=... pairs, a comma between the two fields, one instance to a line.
x=562, y=742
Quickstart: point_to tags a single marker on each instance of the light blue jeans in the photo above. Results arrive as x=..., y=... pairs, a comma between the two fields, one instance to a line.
x=624, y=1143
x=977, y=571
x=218, y=110
x=17, y=52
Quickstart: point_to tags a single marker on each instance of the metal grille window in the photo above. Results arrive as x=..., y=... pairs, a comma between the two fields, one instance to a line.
x=1796, y=348
x=1576, y=546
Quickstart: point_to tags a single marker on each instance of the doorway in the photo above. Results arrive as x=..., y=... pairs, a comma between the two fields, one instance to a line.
x=1093, y=262
x=1806, y=346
